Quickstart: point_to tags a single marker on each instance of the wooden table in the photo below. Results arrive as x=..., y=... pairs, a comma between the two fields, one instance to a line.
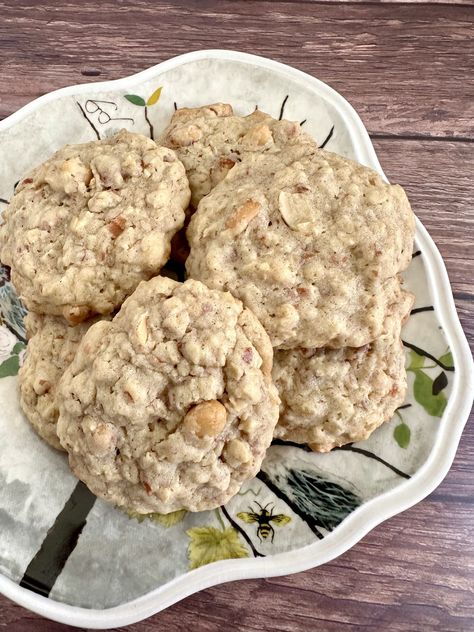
x=406, y=68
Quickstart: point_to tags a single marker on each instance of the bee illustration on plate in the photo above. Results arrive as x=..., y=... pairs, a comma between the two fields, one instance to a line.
x=264, y=517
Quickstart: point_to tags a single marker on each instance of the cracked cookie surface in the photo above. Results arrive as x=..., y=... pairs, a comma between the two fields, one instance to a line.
x=210, y=140
x=330, y=397
x=309, y=241
x=51, y=348
x=170, y=405
x=91, y=222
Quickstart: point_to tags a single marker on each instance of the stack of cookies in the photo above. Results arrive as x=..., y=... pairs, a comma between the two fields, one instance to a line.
x=166, y=395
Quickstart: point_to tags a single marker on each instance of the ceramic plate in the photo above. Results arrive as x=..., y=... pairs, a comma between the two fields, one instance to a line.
x=75, y=559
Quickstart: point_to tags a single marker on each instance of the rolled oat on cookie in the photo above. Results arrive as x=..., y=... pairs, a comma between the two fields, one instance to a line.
x=171, y=405
x=330, y=397
x=309, y=241
x=210, y=140
x=86, y=226
x=52, y=345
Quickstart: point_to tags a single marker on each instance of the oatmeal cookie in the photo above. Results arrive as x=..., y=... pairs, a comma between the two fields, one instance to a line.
x=330, y=397
x=91, y=222
x=210, y=140
x=51, y=347
x=309, y=241
x=171, y=405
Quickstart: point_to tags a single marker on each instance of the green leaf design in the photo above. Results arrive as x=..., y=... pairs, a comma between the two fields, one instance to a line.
x=135, y=99
x=19, y=346
x=402, y=435
x=136, y=516
x=166, y=520
x=416, y=361
x=169, y=519
x=423, y=390
x=447, y=359
x=209, y=544
x=10, y=366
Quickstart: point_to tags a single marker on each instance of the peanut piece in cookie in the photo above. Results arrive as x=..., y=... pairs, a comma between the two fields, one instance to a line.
x=243, y=216
x=259, y=135
x=206, y=419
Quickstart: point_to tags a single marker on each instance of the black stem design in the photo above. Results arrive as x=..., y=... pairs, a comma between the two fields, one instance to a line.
x=282, y=496
x=350, y=448
x=421, y=352
x=242, y=533
x=15, y=333
x=88, y=120
x=418, y=310
x=149, y=123
x=404, y=406
x=60, y=541
x=282, y=109
x=327, y=139
x=3, y=201
x=416, y=254
x=303, y=122
x=175, y=106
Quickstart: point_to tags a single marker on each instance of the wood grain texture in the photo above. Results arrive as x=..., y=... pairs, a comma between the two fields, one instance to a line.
x=437, y=177
x=404, y=67
x=421, y=2
x=418, y=58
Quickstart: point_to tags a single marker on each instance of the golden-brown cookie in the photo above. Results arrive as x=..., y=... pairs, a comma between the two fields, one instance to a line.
x=330, y=397
x=171, y=405
x=91, y=222
x=309, y=241
x=210, y=140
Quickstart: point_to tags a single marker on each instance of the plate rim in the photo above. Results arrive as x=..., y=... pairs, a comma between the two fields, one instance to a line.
x=364, y=518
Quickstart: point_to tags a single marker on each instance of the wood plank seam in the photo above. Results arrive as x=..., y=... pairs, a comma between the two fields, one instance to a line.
x=371, y=3
x=401, y=136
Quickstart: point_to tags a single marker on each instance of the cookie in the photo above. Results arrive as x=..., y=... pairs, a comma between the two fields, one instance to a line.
x=171, y=405
x=51, y=348
x=309, y=241
x=91, y=222
x=330, y=397
x=209, y=140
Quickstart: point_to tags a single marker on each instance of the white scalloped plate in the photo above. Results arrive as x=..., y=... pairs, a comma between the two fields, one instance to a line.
x=101, y=568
